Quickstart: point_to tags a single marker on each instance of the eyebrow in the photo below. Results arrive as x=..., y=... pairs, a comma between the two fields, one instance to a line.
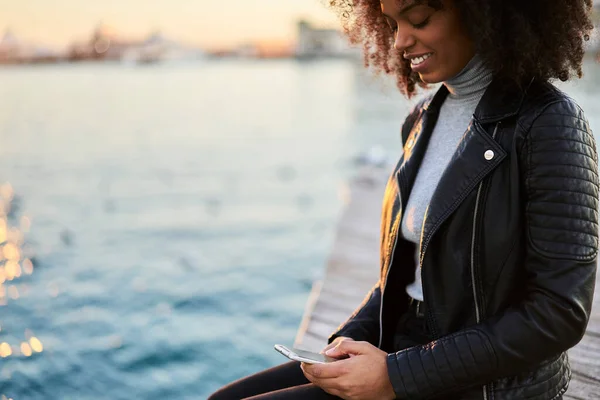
x=407, y=8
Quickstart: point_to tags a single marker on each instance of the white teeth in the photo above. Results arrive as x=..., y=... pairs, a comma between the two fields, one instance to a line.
x=419, y=60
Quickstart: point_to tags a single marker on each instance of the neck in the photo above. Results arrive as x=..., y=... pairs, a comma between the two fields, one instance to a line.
x=471, y=81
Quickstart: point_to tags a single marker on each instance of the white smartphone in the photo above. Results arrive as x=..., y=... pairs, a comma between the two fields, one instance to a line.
x=303, y=356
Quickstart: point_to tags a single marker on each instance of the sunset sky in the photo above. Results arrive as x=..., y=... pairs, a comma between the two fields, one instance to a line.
x=208, y=23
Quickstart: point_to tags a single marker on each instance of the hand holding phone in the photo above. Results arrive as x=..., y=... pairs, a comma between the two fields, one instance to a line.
x=336, y=342
x=303, y=356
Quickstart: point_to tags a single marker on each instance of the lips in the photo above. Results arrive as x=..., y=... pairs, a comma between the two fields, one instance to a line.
x=420, y=59
x=421, y=63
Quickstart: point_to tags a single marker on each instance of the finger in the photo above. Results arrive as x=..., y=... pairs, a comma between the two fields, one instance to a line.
x=335, y=343
x=308, y=372
x=335, y=352
x=308, y=376
x=329, y=385
x=325, y=384
x=329, y=346
x=349, y=347
x=325, y=371
x=334, y=392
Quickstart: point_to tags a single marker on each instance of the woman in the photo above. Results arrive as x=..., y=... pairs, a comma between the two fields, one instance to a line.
x=490, y=218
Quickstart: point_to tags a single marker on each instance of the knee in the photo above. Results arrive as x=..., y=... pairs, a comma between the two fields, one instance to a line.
x=227, y=392
x=218, y=395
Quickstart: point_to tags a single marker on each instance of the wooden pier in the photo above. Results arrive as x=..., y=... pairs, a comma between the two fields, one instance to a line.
x=353, y=268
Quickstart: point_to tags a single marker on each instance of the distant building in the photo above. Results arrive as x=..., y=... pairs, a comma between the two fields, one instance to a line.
x=318, y=43
x=158, y=48
x=9, y=47
x=13, y=50
x=270, y=50
x=105, y=44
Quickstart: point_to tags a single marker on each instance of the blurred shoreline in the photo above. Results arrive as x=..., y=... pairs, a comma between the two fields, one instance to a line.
x=105, y=44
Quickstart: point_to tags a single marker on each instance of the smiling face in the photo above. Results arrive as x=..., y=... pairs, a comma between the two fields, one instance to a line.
x=435, y=40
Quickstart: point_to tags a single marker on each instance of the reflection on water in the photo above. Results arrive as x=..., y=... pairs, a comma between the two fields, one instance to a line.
x=14, y=265
x=178, y=215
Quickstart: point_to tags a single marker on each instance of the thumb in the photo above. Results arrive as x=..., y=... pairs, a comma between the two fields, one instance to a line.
x=348, y=348
x=335, y=343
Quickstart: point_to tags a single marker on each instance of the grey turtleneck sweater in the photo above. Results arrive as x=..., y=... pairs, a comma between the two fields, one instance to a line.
x=465, y=91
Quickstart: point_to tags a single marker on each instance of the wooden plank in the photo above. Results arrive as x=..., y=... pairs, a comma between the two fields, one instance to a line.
x=353, y=269
x=353, y=265
x=581, y=388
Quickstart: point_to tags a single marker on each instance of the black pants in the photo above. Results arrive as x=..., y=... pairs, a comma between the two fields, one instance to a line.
x=287, y=382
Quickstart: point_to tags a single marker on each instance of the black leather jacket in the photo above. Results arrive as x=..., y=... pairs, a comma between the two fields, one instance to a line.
x=508, y=251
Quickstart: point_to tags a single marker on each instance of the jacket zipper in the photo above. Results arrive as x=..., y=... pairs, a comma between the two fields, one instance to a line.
x=428, y=315
x=473, y=282
x=391, y=259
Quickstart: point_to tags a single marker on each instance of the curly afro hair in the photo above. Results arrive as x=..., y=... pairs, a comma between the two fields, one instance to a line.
x=516, y=39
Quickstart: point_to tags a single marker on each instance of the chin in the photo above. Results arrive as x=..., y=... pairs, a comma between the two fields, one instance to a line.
x=430, y=78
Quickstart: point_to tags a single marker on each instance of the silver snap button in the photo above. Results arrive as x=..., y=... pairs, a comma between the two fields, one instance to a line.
x=489, y=155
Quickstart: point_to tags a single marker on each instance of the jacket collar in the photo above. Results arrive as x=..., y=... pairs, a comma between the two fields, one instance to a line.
x=502, y=99
x=468, y=167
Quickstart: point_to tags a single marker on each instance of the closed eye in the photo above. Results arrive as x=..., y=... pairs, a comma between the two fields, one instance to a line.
x=422, y=24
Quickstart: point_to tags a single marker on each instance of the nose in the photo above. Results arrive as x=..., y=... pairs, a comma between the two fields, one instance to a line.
x=404, y=40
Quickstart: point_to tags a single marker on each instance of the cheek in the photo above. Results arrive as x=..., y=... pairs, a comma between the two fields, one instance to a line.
x=452, y=47
x=442, y=46
x=446, y=39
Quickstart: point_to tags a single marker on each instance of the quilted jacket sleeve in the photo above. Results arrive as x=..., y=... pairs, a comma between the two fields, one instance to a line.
x=561, y=179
